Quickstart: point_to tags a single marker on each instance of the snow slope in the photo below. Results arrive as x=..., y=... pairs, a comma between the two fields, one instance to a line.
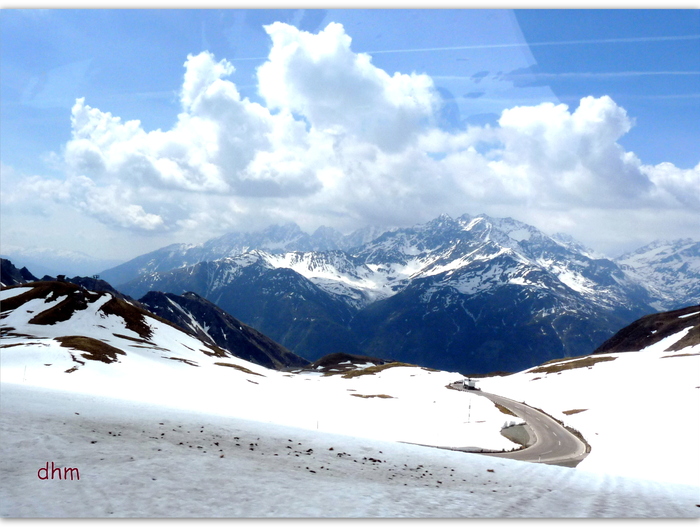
x=639, y=410
x=138, y=460
x=143, y=432
x=175, y=369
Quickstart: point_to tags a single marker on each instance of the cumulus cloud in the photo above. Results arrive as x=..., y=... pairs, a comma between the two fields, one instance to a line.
x=674, y=185
x=571, y=157
x=339, y=141
x=319, y=77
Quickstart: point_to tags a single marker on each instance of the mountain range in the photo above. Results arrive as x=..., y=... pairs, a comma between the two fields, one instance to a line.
x=473, y=294
x=277, y=238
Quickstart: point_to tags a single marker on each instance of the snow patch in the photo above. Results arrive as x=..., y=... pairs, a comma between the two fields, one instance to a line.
x=12, y=292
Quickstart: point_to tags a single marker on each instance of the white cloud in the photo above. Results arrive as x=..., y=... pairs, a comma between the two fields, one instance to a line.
x=341, y=142
x=571, y=158
x=676, y=186
x=319, y=77
x=113, y=205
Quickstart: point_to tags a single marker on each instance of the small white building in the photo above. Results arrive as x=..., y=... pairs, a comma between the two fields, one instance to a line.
x=468, y=383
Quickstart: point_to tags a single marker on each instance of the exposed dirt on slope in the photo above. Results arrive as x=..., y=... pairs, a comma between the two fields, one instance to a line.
x=565, y=365
x=95, y=349
x=76, y=299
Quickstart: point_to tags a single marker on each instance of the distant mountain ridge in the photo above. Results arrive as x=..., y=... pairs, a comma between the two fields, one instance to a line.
x=471, y=294
x=670, y=270
x=51, y=262
x=274, y=239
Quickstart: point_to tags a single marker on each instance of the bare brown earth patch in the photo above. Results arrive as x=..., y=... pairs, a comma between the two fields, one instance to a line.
x=95, y=349
x=571, y=412
x=76, y=299
x=216, y=351
x=690, y=339
x=380, y=396
x=653, y=328
x=154, y=347
x=8, y=332
x=374, y=369
x=18, y=344
x=137, y=340
x=338, y=363
x=682, y=354
x=571, y=364
x=503, y=409
x=39, y=289
x=240, y=368
x=558, y=360
x=133, y=316
x=184, y=360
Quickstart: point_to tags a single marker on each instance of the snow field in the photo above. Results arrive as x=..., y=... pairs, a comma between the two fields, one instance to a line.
x=140, y=460
x=399, y=404
x=408, y=404
x=642, y=410
x=144, y=429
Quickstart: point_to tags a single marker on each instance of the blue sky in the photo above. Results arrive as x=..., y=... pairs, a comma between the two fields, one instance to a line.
x=385, y=117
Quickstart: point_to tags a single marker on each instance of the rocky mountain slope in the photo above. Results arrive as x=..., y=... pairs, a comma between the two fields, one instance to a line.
x=11, y=275
x=83, y=327
x=216, y=327
x=654, y=328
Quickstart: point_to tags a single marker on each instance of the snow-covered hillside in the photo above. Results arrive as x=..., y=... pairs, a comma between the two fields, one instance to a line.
x=167, y=429
x=639, y=410
x=172, y=368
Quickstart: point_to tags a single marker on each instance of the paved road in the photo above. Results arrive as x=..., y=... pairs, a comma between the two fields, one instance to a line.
x=553, y=443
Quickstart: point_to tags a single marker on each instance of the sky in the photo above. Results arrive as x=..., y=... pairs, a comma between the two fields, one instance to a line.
x=124, y=131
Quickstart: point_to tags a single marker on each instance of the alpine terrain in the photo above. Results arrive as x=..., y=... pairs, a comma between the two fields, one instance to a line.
x=670, y=270
x=472, y=294
x=145, y=420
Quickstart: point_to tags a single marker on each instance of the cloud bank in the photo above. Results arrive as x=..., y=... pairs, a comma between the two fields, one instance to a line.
x=343, y=143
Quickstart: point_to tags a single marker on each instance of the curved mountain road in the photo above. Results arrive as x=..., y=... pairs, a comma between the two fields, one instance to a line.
x=553, y=443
